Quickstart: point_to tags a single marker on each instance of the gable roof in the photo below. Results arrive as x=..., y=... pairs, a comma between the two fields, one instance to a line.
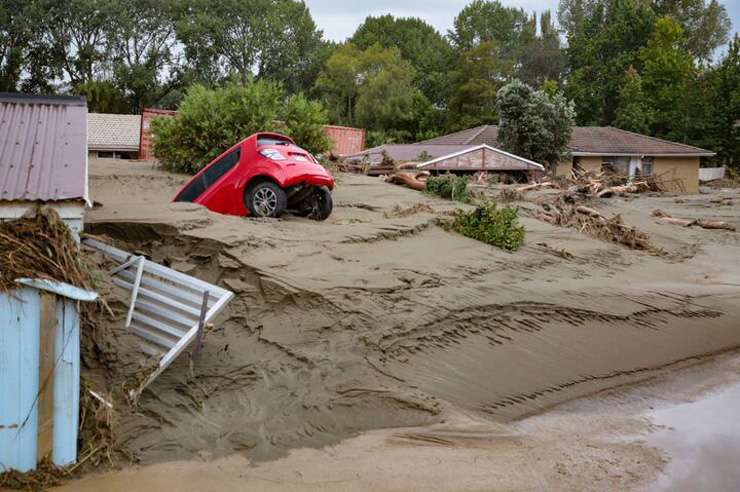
x=43, y=151
x=405, y=152
x=510, y=161
x=585, y=140
x=113, y=131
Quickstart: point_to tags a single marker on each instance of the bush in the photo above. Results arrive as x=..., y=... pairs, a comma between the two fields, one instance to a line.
x=448, y=186
x=303, y=121
x=209, y=121
x=491, y=225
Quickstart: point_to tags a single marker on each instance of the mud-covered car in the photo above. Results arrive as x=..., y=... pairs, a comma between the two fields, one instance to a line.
x=262, y=176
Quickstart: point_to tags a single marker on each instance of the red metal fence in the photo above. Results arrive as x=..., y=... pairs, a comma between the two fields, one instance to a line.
x=345, y=140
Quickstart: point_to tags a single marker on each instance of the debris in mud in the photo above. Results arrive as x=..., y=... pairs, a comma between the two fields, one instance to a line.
x=562, y=252
x=592, y=222
x=45, y=475
x=40, y=246
x=664, y=218
x=415, y=181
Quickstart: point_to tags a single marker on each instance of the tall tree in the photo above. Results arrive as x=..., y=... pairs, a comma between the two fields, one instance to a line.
x=541, y=56
x=604, y=39
x=668, y=70
x=262, y=38
x=81, y=34
x=142, y=42
x=725, y=106
x=418, y=42
x=373, y=88
x=633, y=113
x=488, y=20
x=474, y=83
x=533, y=124
x=705, y=24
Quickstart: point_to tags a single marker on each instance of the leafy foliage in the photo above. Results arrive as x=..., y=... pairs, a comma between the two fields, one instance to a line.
x=491, y=225
x=303, y=121
x=448, y=186
x=210, y=121
x=533, y=124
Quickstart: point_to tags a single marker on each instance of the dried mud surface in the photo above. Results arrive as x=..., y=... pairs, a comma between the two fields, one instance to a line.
x=377, y=318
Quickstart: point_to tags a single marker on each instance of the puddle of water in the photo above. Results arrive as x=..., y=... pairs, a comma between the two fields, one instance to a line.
x=703, y=441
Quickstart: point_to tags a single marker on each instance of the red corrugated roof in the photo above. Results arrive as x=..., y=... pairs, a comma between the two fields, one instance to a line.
x=43, y=147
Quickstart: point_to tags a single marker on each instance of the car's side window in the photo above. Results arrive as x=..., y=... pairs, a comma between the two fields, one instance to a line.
x=210, y=176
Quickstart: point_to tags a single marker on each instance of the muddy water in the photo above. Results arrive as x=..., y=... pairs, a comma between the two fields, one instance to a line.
x=703, y=441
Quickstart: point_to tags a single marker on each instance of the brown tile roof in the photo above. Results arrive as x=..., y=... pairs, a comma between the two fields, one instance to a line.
x=43, y=152
x=585, y=139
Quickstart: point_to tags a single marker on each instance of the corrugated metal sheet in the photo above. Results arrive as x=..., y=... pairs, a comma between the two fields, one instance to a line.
x=43, y=148
x=20, y=347
x=345, y=140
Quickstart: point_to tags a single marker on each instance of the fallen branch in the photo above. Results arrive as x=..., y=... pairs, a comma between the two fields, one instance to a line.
x=664, y=218
x=535, y=186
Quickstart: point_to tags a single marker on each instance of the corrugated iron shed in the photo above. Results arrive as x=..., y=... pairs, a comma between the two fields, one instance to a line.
x=43, y=148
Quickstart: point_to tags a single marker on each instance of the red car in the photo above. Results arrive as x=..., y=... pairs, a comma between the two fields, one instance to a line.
x=263, y=176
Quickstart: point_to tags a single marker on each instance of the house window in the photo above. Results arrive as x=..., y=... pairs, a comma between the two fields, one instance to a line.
x=616, y=164
x=647, y=165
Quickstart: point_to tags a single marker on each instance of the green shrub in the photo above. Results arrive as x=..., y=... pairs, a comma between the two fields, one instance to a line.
x=448, y=186
x=209, y=121
x=490, y=224
x=303, y=121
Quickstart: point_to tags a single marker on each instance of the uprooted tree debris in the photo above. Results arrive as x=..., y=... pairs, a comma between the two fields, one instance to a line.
x=592, y=222
x=703, y=223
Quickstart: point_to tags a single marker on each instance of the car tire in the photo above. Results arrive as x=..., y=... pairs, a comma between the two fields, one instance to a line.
x=322, y=204
x=265, y=199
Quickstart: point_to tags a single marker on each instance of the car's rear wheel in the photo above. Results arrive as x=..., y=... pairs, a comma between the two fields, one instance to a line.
x=266, y=199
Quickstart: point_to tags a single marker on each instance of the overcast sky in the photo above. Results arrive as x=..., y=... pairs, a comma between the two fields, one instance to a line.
x=339, y=18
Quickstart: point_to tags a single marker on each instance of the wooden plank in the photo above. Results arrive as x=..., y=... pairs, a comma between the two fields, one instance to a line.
x=47, y=328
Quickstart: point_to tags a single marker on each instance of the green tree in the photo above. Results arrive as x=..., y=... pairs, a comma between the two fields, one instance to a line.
x=634, y=112
x=103, y=97
x=489, y=21
x=303, y=120
x=373, y=88
x=667, y=72
x=725, y=106
x=474, y=83
x=418, y=42
x=705, y=24
x=604, y=39
x=533, y=124
x=142, y=42
x=209, y=121
x=263, y=38
x=541, y=57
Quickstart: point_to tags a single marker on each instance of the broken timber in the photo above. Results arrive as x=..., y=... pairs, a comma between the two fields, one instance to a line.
x=168, y=309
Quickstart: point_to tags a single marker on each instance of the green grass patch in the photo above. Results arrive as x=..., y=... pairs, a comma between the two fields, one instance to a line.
x=449, y=186
x=498, y=226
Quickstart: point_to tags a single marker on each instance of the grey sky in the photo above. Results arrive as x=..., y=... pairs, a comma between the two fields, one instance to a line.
x=340, y=18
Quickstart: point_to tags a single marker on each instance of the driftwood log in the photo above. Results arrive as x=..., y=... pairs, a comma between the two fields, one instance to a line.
x=664, y=218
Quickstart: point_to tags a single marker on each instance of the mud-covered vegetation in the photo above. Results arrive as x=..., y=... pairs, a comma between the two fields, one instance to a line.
x=497, y=226
x=448, y=186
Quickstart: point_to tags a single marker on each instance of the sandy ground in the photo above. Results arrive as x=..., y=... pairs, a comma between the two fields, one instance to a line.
x=378, y=319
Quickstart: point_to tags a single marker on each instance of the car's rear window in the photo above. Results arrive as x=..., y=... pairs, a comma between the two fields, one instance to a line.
x=214, y=172
x=272, y=140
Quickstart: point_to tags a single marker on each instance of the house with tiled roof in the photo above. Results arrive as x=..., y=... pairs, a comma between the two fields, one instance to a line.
x=590, y=148
x=113, y=136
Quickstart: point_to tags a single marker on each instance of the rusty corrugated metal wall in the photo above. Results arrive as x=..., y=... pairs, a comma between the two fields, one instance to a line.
x=43, y=147
x=345, y=140
x=146, y=150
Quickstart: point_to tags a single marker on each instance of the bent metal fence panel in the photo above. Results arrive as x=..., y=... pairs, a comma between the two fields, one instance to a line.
x=167, y=310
